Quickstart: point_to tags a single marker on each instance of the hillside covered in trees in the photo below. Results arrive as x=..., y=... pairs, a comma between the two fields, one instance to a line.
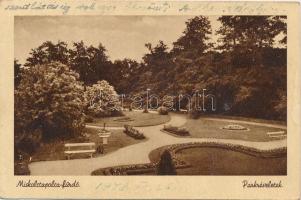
x=245, y=68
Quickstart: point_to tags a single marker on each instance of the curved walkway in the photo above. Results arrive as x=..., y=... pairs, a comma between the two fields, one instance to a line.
x=137, y=153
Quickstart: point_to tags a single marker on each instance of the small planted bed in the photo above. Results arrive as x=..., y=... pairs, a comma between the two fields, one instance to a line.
x=210, y=128
x=134, y=133
x=180, y=131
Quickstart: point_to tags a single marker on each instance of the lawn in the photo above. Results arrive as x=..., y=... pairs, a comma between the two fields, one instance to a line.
x=55, y=150
x=249, y=119
x=202, y=128
x=218, y=161
x=133, y=118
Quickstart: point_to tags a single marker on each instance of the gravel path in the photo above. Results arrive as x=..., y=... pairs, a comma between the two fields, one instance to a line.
x=137, y=153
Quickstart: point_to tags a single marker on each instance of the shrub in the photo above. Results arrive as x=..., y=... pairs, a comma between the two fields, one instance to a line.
x=162, y=110
x=182, y=131
x=166, y=165
x=49, y=97
x=21, y=168
x=89, y=119
x=27, y=143
x=130, y=131
x=102, y=100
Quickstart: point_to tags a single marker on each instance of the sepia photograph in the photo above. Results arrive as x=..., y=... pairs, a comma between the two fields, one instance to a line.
x=197, y=95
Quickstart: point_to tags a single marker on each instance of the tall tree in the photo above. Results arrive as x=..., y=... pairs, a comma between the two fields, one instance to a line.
x=247, y=36
x=124, y=75
x=195, y=38
x=47, y=53
x=17, y=73
x=157, y=63
x=79, y=61
x=91, y=63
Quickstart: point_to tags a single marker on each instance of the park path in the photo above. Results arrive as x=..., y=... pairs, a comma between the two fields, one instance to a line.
x=137, y=153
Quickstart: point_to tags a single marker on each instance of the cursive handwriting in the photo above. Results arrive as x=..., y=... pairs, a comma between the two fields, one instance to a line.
x=124, y=186
x=39, y=6
x=147, y=7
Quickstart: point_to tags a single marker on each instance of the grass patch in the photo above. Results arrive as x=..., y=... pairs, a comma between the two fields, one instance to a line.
x=55, y=150
x=220, y=161
x=133, y=118
x=202, y=128
x=217, y=161
x=247, y=119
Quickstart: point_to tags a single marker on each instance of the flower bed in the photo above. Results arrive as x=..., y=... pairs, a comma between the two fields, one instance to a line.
x=127, y=169
x=176, y=130
x=130, y=131
x=235, y=127
x=271, y=153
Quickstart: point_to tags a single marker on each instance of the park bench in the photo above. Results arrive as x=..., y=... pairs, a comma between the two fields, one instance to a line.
x=276, y=134
x=76, y=148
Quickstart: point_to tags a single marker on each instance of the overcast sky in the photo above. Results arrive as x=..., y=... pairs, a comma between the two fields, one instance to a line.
x=122, y=36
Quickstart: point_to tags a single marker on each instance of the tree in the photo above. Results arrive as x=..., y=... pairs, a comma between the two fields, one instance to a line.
x=157, y=58
x=17, y=73
x=166, y=166
x=99, y=65
x=49, y=98
x=195, y=38
x=47, y=53
x=124, y=75
x=247, y=36
x=189, y=55
x=102, y=100
x=79, y=61
x=91, y=63
x=156, y=63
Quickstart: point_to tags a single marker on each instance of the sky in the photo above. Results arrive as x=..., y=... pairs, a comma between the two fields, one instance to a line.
x=122, y=36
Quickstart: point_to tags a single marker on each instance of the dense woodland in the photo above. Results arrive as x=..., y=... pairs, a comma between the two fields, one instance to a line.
x=245, y=69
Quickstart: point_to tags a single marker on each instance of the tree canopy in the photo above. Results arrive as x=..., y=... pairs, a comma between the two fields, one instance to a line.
x=245, y=68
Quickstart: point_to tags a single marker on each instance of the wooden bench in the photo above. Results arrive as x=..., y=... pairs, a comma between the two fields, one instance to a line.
x=87, y=148
x=276, y=134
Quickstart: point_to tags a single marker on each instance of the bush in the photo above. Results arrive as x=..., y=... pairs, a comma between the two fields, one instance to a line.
x=166, y=165
x=162, y=110
x=49, y=97
x=21, y=168
x=181, y=131
x=130, y=131
x=102, y=100
x=27, y=143
x=89, y=119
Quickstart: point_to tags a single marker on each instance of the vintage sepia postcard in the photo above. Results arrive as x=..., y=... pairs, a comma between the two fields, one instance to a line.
x=150, y=99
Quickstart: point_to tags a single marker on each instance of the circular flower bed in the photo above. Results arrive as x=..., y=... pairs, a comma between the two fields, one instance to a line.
x=235, y=127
